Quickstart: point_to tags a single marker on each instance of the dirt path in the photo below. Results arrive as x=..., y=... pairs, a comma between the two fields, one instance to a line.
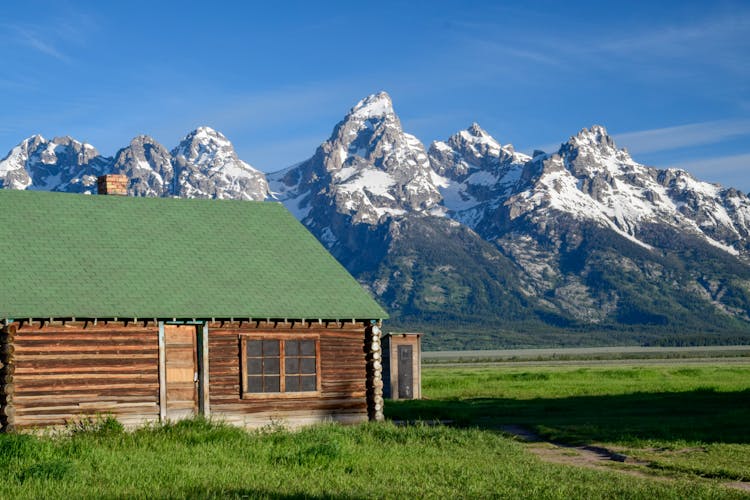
x=594, y=457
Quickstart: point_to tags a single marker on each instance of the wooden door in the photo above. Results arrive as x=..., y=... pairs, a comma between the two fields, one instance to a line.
x=181, y=371
x=405, y=372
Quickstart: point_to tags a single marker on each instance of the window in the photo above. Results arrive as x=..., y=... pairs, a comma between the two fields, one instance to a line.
x=276, y=366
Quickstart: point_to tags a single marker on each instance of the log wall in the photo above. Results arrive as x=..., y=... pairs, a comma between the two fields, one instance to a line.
x=62, y=373
x=53, y=375
x=7, y=370
x=342, y=372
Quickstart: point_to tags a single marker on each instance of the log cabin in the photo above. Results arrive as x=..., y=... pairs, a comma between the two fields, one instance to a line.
x=153, y=310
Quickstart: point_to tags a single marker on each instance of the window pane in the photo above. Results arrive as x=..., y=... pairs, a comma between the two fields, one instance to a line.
x=307, y=365
x=270, y=347
x=291, y=366
x=254, y=384
x=264, y=369
x=271, y=384
x=307, y=347
x=291, y=347
x=308, y=383
x=292, y=384
x=254, y=366
x=254, y=347
x=271, y=366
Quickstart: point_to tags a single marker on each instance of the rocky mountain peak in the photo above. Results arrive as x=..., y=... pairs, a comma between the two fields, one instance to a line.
x=207, y=166
x=373, y=106
x=62, y=164
x=368, y=170
x=593, y=153
x=203, y=144
x=148, y=165
x=477, y=131
x=595, y=138
x=472, y=150
x=143, y=139
x=70, y=151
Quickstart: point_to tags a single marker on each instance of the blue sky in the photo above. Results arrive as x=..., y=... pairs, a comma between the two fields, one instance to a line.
x=669, y=80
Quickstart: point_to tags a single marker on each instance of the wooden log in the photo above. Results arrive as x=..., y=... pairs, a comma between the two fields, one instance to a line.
x=8, y=411
x=66, y=370
x=83, y=399
x=7, y=388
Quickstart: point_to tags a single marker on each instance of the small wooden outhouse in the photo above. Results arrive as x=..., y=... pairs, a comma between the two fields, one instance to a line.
x=154, y=309
x=402, y=365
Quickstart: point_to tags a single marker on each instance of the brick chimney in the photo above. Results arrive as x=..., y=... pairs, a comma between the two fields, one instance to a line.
x=112, y=184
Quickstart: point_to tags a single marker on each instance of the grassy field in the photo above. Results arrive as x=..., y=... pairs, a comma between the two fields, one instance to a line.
x=681, y=418
x=591, y=354
x=686, y=422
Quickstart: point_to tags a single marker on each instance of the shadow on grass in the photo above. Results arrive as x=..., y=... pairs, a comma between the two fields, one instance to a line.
x=701, y=415
x=258, y=493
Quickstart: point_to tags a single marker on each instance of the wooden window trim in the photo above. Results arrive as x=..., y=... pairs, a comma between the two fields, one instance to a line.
x=280, y=337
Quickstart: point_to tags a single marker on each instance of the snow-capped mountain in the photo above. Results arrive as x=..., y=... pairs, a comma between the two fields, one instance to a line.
x=564, y=228
x=62, y=164
x=475, y=173
x=148, y=165
x=591, y=179
x=206, y=166
x=369, y=169
x=470, y=234
x=203, y=165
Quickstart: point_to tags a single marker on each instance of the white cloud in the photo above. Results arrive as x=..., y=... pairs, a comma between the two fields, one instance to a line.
x=694, y=134
x=55, y=38
x=731, y=170
x=33, y=40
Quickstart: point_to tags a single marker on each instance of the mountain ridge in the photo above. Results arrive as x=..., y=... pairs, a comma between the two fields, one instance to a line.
x=470, y=233
x=203, y=164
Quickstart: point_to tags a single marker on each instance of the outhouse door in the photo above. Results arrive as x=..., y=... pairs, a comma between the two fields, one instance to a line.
x=405, y=372
x=181, y=371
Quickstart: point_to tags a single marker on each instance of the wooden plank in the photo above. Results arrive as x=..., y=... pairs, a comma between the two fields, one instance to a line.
x=162, y=375
x=44, y=358
x=177, y=356
x=34, y=401
x=84, y=376
x=180, y=370
x=179, y=334
x=204, y=406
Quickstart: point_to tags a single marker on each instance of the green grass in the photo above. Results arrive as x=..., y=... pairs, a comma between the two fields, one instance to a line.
x=691, y=419
x=197, y=459
x=687, y=421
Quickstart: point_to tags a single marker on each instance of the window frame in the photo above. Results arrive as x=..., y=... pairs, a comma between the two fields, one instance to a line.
x=280, y=337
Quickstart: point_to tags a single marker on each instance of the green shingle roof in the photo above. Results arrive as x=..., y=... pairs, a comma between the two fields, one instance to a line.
x=68, y=255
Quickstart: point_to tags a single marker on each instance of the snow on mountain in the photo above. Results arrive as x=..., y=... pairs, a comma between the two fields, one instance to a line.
x=203, y=165
x=206, y=166
x=369, y=169
x=474, y=173
x=148, y=166
x=591, y=179
x=471, y=229
x=62, y=164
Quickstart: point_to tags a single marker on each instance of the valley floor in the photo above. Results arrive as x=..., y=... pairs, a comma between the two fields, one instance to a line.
x=664, y=421
x=666, y=430
x=609, y=352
